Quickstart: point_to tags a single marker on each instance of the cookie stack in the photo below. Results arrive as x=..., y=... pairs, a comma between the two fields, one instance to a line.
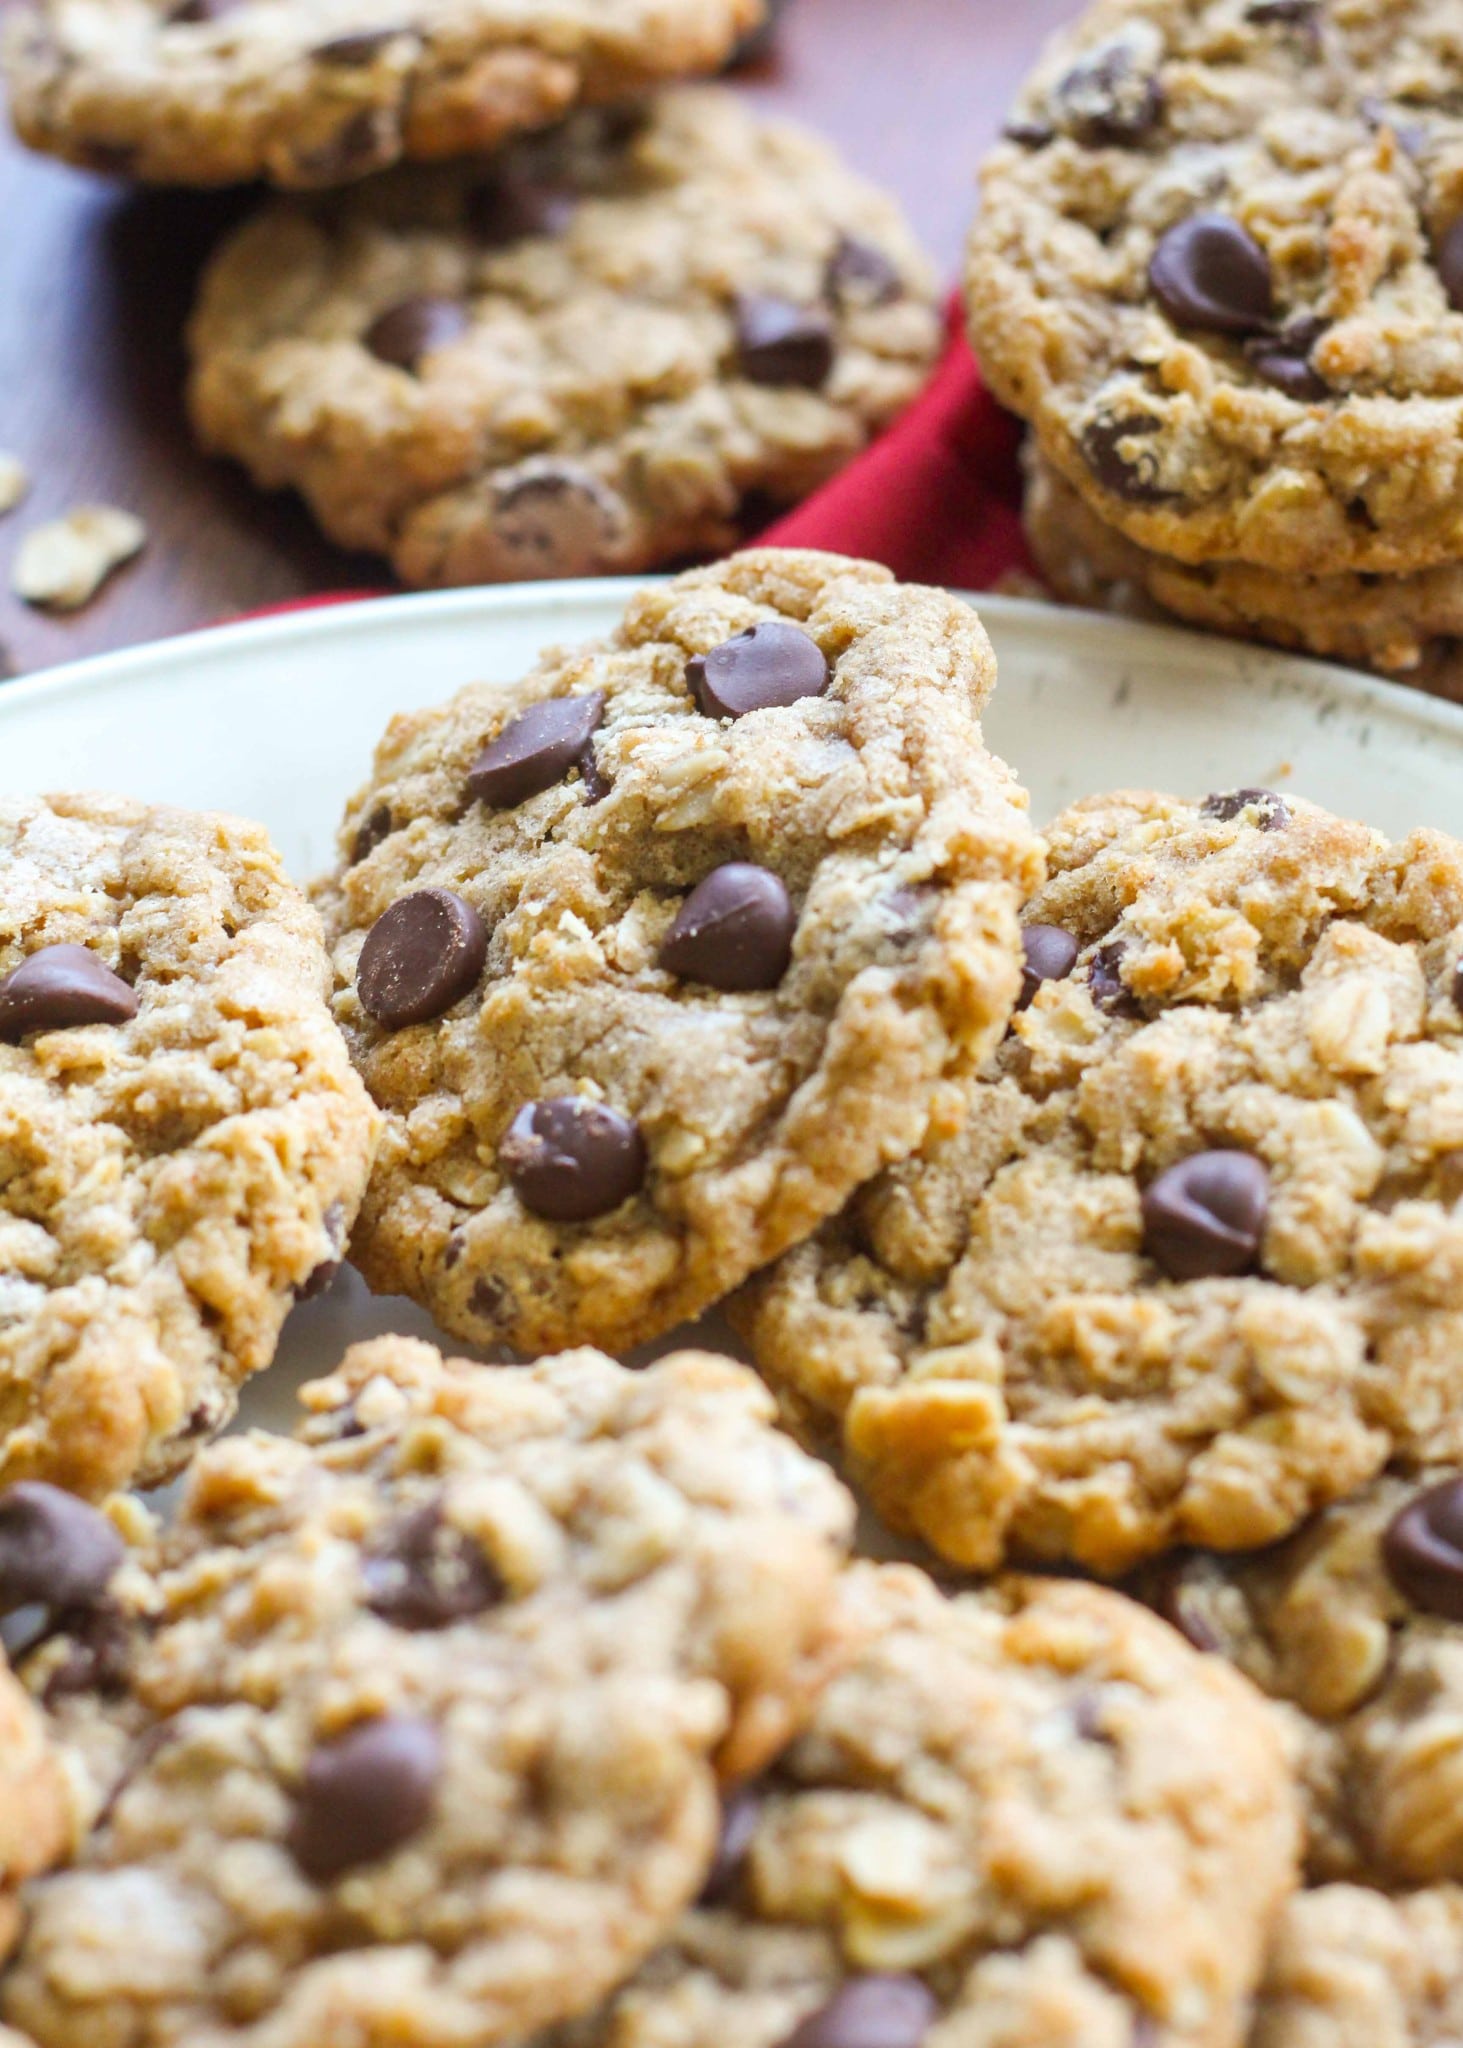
x=549, y=311
x=1219, y=269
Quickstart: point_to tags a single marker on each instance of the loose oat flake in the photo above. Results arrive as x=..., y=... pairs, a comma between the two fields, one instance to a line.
x=64, y=563
x=14, y=482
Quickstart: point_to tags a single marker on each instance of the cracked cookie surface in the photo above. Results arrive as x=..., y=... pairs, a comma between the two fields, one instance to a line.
x=594, y=354
x=183, y=1144
x=408, y=1708
x=634, y=1095
x=1188, y=1270
x=1219, y=267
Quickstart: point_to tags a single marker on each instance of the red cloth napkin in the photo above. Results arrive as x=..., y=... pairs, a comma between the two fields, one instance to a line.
x=937, y=498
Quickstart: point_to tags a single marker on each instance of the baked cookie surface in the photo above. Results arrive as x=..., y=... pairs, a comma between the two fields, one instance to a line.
x=1353, y=1969
x=1188, y=1270
x=652, y=957
x=185, y=1145
x=319, y=92
x=1219, y=268
x=587, y=356
x=409, y=1708
x=35, y=1822
x=971, y=1839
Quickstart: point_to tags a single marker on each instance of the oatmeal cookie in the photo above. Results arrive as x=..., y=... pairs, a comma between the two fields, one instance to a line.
x=1352, y=1969
x=1192, y=1266
x=593, y=354
x=652, y=957
x=35, y=1822
x=184, y=1144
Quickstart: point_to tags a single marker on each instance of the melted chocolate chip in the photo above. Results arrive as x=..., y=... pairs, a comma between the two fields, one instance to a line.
x=371, y=833
x=1450, y=263
x=1050, y=955
x=876, y=2011
x=191, y=12
x=779, y=342
x=1284, y=360
x=511, y=209
x=407, y=333
x=1423, y=1550
x=1211, y=273
x=61, y=987
x=1113, y=450
x=54, y=1549
x=768, y=665
x=734, y=931
x=427, y=1575
x=1205, y=1218
x=556, y=516
x=535, y=750
x=1271, y=811
x=1106, y=98
x=99, y=1642
x=420, y=957
x=739, y=1817
x=364, y=1795
x=858, y=274
x=488, y=1299
x=1106, y=985
x=570, y=1159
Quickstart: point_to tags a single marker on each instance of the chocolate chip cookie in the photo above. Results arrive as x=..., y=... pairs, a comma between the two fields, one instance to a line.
x=411, y=1728
x=1220, y=269
x=973, y=1836
x=184, y=1143
x=1189, y=1268
x=35, y=1822
x=652, y=957
x=1352, y=1969
x=319, y=92
x=590, y=355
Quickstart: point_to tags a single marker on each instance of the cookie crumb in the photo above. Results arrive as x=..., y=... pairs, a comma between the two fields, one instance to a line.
x=14, y=481
x=65, y=563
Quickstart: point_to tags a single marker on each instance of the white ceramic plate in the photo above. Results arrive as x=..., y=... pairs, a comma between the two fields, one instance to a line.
x=276, y=720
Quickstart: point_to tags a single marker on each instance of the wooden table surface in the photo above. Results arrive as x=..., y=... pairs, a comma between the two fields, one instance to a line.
x=95, y=282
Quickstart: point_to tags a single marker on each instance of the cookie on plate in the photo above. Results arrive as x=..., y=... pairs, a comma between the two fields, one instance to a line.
x=589, y=355
x=1191, y=1267
x=652, y=957
x=1219, y=268
x=994, y=1807
x=417, y=1709
x=185, y=1145
x=318, y=92
x=1350, y=1968
x=35, y=1819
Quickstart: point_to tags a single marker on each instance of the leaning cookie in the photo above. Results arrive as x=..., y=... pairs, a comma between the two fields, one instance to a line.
x=1350, y=1968
x=587, y=356
x=1219, y=267
x=1191, y=1268
x=996, y=1807
x=651, y=958
x=319, y=92
x=185, y=1143
x=412, y=1728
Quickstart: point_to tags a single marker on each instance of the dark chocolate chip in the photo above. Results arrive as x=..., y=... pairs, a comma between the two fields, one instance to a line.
x=780, y=342
x=1129, y=471
x=371, y=833
x=316, y=1282
x=1272, y=811
x=60, y=987
x=597, y=784
x=99, y=1643
x=54, y=1549
x=858, y=274
x=510, y=209
x=557, y=518
x=570, y=1159
x=364, y=1794
x=1423, y=1550
x=734, y=931
x=190, y=12
x=354, y=52
x=1029, y=133
x=1301, y=14
x=877, y=2011
x=410, y=331
x=420, y=957
x=369, y=139
x=1106, y=985
x=1107, y=98
x=1284, y=360
x=489, y=1296
x=739, y=1817
x=426, y=1575
x=768, y=665
x=1211, y=273
x=1050, y=955
x=1204, y=1218
x=535, y=750
x=1458, y=988
x=1450, y=263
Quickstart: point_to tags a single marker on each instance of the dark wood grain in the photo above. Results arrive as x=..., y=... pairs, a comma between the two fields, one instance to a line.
x=95, y=283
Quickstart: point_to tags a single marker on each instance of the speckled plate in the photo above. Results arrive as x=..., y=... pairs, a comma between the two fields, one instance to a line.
x=277, y=720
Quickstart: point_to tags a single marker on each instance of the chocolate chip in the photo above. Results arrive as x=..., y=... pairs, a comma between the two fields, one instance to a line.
x=1211, y=273
x=1028, y=133
x=1450, y=263
x=757, y=42
x=426, y=1575
x=370, y=834
x=1129, y=472
x=1106, y=985
x=1272, y=811
x=420, y=957
x=410, y=331
x=370, y=138
x=1109, y=98
x=739, y=1817
x=570, y=1159
x=1050, y=955
x=54, y=1549
x=364, y=1794
x=1204, y=1218
x=535, y=750
x=60, y=987
x=734, y=931
x=99, y=1642
x=1171, y=1590
x=780, y=342
x=355, y=51
x=768, y=665
x=557, y=518
x=858, y=274
x=1282, y=13
x=511, y=209
x=1458, y=988
x=315, y=1283
x=1284, y=360
x=597, y=784
x=489, y=1297
x=193, y=11
x=1423, y=1550
x=877, y=2011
